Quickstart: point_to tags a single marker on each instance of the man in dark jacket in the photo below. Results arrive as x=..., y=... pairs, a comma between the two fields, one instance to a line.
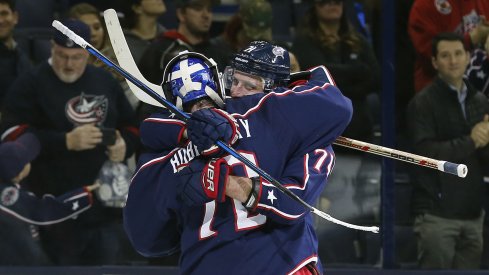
x=449, y=120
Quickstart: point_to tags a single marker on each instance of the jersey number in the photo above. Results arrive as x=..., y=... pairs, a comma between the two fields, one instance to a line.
x=243, y=220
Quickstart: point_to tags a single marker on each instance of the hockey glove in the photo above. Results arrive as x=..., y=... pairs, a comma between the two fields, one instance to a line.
x=206, y=126
x=203, y=181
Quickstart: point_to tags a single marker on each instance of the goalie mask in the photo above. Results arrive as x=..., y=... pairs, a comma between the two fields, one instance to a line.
x=262, y=59
x=189, y=77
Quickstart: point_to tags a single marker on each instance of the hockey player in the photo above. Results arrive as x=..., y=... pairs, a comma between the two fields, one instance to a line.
x=235, y=210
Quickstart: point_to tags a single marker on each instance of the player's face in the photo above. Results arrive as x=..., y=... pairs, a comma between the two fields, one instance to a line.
x=451, y=60
x=245, y=84
x=196, y=18
x=68, y=63
x=96, y=30
x=8, y=20
x=153, y=7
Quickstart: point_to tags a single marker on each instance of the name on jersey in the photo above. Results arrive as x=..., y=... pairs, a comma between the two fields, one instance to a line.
x=188, y=153
x=183, y=156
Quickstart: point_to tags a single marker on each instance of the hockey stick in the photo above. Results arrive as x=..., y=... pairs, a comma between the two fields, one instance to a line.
x=444, y=166
x=184, y=116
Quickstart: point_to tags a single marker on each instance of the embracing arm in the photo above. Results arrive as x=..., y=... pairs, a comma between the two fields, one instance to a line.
x=162, y=131
x=305, y=176
x=315, y=113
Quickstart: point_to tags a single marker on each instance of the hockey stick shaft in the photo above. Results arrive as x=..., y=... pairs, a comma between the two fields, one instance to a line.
x=184, y=116
x=444, y=166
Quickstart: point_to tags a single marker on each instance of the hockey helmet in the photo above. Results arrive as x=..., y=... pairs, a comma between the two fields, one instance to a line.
x=189, y=77
x=262, y=59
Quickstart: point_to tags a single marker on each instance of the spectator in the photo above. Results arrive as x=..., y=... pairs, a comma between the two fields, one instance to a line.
x=428, y=18
x=195, y=18
x=141, y=25
x=252, y=22
x=327, y=38
x=99, y=38
x=21, y=211
x=449, y=120
x=13, y=61
x=67, y=102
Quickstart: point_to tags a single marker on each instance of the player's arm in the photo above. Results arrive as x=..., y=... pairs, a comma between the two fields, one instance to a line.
x=47, y=210
x=315, y=114
x=162, y=131
x=149, y=221
x=305, y=176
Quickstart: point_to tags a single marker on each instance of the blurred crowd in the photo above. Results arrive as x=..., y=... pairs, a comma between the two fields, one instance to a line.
x=81, y=119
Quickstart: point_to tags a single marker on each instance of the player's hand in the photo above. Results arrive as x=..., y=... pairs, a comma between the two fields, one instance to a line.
x=83, y=137
x=203, y=181
x=206, y=126
x=117, y=152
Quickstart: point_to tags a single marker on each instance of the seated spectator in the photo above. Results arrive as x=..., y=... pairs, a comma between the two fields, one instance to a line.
x=140, y=23
x=195, y=18
x=449, y=120
x=99, y=38
x=21, y=211
x=252, y=22
x=428, y=18
x=13, y=61
x=327, y=38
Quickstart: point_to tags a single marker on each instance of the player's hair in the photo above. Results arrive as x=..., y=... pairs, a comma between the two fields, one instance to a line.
x=445, y=36
x=349, y=37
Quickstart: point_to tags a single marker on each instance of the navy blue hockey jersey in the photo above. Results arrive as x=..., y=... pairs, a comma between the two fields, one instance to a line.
x=288, y=133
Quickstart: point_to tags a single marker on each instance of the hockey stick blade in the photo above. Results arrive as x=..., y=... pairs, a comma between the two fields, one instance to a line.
x=125, y=59
x=184, y=116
